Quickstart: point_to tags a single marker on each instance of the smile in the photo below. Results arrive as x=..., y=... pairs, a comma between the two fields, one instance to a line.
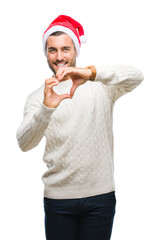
x=60, y=64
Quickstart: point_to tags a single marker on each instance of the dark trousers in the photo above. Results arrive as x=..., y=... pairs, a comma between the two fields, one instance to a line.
x=89, y=218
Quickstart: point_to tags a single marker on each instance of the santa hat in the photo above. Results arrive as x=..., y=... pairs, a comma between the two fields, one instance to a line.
x=69, y=26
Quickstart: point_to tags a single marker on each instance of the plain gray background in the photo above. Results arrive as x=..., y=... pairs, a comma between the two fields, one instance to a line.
x=118, y=32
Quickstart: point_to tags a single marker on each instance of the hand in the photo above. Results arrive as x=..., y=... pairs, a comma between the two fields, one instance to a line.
x=52, y=99
x=78, y=75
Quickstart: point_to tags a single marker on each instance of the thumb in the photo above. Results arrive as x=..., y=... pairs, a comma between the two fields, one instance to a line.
x=64, y=96
x=73, y=89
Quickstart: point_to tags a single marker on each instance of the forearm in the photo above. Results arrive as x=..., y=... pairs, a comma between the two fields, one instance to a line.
x=32, y=128
x=120, y=75
x=121, y=79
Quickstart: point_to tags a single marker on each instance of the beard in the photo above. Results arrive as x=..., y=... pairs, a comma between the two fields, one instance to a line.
x=72, y=64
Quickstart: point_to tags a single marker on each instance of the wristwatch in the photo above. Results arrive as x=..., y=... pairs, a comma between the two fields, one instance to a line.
x=93, y=69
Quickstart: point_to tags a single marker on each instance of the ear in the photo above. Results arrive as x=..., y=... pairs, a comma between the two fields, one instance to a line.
x=46, y=48
x=76, y=54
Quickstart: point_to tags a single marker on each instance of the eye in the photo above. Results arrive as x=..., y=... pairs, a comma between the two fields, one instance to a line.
x=52, y=50
x=66, y=49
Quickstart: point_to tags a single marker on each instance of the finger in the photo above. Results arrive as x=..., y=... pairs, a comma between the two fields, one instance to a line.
x=49, y=86
x=51, y=80
x=58, y=73
x=73, y=89
x=64, y=72
x=52, y=85
x=64, y=96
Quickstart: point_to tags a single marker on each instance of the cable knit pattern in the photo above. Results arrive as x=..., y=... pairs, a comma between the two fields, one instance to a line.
x=79, y=137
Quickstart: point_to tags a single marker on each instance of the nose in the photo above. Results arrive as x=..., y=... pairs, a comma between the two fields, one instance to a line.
x=59, y=55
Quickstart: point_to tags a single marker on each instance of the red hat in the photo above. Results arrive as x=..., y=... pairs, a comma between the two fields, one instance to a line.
x=69, y=26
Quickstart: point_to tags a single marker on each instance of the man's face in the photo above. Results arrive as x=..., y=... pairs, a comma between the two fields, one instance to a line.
x=60, y=52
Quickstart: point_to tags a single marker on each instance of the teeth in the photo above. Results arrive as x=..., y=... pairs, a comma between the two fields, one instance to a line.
x=60, y=65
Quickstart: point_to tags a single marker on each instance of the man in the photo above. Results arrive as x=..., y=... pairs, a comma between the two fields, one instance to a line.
x=79, y=189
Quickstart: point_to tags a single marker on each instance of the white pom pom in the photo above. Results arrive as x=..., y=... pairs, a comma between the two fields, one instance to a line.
x=83, y=39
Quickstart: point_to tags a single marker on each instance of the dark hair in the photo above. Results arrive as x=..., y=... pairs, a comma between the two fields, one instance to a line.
x=58, y=33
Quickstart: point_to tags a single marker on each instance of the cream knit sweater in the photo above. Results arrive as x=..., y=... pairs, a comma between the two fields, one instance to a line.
x=79, y=138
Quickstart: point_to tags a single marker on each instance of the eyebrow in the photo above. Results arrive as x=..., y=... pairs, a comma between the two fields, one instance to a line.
x=51, y=48
x=62, y=47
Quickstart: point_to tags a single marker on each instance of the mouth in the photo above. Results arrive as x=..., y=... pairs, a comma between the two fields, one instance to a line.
x=60, y=64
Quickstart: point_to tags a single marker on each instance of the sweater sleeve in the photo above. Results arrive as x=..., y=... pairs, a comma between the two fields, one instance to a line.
x=35, y=121
x=120, y=78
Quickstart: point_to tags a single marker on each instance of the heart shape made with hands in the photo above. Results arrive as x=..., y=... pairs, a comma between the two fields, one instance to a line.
x=68, y=86
x=77, y=77
x=63, y=87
